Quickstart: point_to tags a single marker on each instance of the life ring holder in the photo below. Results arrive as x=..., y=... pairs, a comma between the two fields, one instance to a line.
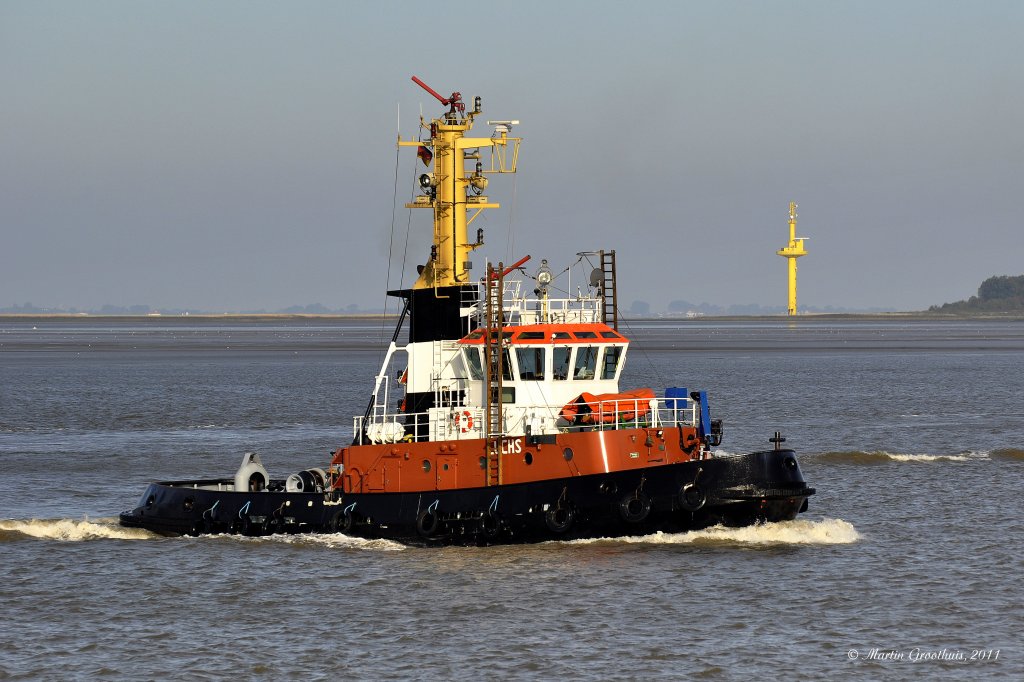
x=464, y=421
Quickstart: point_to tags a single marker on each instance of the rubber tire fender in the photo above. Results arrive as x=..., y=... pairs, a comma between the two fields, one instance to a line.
x=692, y=497
x=635, y=507
x=559, y=519
x=490, y=524
x=427, y=523
x=341, y=522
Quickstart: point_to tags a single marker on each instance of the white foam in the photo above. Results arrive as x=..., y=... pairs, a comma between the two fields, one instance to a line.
x=964, y=457
x=68, y=530
x=796, y=532
x=332, y=540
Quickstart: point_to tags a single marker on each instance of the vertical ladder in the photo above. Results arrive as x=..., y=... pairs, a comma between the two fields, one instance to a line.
x=493, y=370
x=609, y=303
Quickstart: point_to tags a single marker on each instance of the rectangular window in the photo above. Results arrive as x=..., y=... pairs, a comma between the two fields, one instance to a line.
x=472, y=358
x=506, y=366
x=531, y=363
x=481, y=368
x=611, y=361
x=586, y=362
x=560, y=366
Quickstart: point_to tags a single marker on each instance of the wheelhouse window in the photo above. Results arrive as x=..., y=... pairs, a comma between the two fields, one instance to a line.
x=612, y=355
x=560, y=364
x=586, y=362
x=473, y=363
x=506, y=365
x=531, y=363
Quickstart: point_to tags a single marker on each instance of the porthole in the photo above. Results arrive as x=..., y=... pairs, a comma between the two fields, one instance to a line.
x=567, y=453
x=483, y=462
x=189, y=503
x=426, y=466
x=528, y=458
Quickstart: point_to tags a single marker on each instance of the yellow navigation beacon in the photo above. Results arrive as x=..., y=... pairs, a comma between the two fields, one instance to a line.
x=791, y=251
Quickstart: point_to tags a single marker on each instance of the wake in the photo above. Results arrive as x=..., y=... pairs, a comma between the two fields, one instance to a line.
x=69, y=530
x=882, y=457
x=796, y=532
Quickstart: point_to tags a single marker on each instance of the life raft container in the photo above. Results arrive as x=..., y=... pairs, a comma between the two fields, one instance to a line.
x=607, y=408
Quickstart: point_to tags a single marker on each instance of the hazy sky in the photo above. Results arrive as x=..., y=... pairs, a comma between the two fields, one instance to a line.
x=240, y=155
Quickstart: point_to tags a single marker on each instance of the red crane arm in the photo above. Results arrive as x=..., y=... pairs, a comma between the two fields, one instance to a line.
x=429, y=89
x=512, y=267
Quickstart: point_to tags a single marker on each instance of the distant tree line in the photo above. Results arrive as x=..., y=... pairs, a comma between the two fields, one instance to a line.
x=1000, y=294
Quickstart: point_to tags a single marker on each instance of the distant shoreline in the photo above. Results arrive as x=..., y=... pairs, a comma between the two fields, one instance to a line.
x=256, y=317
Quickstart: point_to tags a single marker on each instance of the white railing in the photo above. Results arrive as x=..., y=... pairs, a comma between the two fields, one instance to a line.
x=519, y=308
x=465, y=422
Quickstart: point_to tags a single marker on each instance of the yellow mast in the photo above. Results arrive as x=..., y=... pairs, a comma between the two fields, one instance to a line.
x=793, y=250
x=451, y=189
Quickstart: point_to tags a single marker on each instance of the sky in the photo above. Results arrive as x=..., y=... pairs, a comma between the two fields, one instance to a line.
x=241, y=155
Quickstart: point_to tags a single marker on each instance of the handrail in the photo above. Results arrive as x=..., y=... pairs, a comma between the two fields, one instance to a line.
x=463, y=421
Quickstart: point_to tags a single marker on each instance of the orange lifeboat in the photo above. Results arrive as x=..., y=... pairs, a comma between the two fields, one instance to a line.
x=609, y=408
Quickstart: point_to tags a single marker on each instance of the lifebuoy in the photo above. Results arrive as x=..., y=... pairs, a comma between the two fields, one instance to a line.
x=635, y=507
x=427, y=523
x=465, y=419
x=559, y=519
x=692, y=497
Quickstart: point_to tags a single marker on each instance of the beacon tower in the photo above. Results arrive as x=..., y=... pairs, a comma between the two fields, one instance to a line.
x=791, y=251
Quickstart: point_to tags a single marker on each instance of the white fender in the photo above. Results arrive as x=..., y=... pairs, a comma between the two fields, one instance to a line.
x=251, y=472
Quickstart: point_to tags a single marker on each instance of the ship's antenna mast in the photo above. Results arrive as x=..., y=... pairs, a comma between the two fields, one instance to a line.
x=454, y=187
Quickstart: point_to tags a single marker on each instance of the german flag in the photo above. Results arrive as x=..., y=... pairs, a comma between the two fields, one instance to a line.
x=426, y=156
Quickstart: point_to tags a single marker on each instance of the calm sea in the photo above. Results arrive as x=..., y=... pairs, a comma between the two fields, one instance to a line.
x=910, y=558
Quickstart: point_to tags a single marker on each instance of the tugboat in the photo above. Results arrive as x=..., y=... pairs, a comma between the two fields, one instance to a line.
x=501, y=420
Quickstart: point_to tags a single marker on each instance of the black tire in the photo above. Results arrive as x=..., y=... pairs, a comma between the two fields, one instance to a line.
x=273, y=526
x=692, y=497
x=341, y=522
x=427, y=523
x=490, y=525
x=635, y=507
x=246, y=526
x=559, y=519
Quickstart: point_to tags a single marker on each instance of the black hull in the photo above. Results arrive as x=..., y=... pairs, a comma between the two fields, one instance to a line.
x=733, y=491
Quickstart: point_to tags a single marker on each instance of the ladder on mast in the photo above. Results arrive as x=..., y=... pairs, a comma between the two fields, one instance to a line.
x=609, y=304
x=493, y=370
